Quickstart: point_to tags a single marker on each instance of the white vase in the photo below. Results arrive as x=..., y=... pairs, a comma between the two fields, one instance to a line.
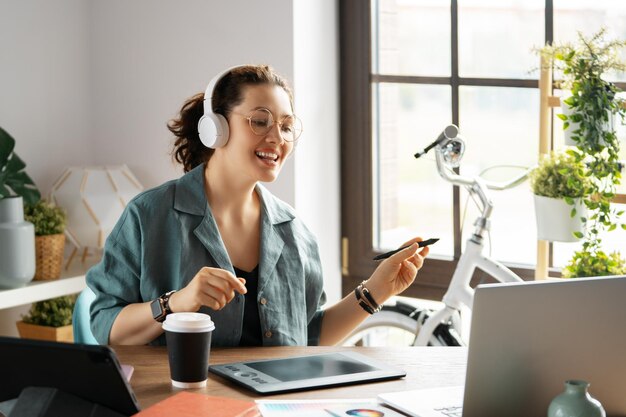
x=17, y=244
x=554, y=220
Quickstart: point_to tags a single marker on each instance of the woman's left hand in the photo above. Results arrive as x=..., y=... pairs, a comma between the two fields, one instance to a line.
x=397, y=272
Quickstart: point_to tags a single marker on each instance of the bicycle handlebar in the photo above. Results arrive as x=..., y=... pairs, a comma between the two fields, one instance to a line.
x=447, y=174
x=456, y=179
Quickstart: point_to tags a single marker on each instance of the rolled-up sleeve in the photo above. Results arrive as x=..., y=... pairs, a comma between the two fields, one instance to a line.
x=116, y=279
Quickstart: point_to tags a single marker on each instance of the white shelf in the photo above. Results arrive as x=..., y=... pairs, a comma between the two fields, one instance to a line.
x=72, y=281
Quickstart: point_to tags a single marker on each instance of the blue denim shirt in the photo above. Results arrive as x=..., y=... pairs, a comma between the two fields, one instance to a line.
x=167, y=234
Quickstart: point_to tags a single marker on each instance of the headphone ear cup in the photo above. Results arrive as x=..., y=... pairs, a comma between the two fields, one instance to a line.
x=213, y=130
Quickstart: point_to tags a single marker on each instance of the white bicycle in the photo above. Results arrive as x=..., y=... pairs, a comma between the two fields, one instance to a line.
x=405, y=323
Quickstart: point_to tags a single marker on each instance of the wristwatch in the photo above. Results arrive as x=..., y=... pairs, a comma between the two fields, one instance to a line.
x=161, y=307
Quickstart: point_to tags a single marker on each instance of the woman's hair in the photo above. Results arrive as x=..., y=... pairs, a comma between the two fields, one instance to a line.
x=228, y=93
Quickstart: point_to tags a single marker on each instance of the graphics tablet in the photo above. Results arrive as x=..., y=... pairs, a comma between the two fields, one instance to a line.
x=91, y=372
x=306, y=372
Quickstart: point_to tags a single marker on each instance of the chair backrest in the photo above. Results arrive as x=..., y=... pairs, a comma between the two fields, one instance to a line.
x=80, y=318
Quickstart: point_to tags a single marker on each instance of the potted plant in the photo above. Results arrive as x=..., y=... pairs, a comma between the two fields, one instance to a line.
x=49, y=320
x=17, y=258
x=49, y=221
x=559, y=183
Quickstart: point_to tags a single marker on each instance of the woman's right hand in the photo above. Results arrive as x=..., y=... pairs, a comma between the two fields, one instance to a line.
x=211, y=287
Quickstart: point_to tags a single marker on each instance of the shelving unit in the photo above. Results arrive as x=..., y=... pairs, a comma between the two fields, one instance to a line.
x=72, y=281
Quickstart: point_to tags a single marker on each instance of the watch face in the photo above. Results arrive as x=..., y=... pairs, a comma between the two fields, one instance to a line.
x=157, y=311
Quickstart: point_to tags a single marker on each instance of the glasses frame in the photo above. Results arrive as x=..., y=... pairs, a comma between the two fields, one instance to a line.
x=273, y=122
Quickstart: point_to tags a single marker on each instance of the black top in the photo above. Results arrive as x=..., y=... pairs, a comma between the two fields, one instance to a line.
x=251, y=330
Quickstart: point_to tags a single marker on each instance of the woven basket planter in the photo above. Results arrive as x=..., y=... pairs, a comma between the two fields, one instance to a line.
x=55, y=334
x=49, y=256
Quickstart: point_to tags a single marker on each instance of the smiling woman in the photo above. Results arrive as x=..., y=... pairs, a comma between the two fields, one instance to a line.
x=218, y=242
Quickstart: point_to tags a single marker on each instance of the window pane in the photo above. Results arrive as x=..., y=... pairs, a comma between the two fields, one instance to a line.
x=496, y=37
x=588, y=17
x=411, y=37
x=410, y=198
x=501, y=127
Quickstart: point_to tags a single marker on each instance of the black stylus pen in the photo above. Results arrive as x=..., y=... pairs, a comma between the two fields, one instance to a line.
x=420, y=244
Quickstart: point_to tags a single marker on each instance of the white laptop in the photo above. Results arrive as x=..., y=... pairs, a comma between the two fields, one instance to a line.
x=527, y=339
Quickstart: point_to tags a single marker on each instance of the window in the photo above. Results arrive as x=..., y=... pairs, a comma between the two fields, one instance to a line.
x=411, y=67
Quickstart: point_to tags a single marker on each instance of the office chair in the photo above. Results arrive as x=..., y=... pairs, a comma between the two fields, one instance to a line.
x=80, y=318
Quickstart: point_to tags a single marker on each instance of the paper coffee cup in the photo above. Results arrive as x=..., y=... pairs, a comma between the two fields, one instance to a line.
x=188, y=337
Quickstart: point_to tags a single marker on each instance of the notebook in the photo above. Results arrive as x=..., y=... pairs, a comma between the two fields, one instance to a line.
x=91, y=372
x=526, y=340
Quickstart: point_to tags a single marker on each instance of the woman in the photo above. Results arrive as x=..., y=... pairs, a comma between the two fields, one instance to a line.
x=218, y=242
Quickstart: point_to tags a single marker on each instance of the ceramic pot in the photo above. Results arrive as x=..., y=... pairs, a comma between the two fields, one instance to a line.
x=554, y=222
x=17, y=244
x=575, y=401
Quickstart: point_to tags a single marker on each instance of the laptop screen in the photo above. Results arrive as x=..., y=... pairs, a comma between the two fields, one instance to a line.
x=527, y=339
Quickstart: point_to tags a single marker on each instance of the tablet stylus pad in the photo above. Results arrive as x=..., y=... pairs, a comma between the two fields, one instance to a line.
x=306, y=372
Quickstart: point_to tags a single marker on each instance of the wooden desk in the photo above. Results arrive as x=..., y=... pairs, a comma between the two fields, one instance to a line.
x=425, y=366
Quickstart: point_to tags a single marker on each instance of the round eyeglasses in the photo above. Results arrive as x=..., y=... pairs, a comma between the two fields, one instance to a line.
x=261, y=121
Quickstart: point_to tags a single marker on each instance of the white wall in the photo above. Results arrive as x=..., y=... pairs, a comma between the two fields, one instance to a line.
x=45, y=84
x=316, y=79
x=90, y=82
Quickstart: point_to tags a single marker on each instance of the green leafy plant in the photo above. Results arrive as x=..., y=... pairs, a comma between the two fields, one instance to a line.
x=55, y=312
x=561, y=175
x=13, y=178
x=48, y=218
x=593, y=103
x=585, y=264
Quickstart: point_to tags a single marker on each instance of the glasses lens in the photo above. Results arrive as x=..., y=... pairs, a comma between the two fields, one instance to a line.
x=261, y=121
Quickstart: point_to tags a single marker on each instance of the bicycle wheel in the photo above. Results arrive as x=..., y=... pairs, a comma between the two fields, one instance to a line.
x=392, y=326
x=398, y=325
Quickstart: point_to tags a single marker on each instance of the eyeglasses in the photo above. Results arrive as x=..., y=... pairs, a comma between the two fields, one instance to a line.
x=261, y=121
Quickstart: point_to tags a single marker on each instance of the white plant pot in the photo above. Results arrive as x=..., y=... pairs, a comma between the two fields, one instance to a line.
x=567, y=133
x=17, y=244
x=554, y=222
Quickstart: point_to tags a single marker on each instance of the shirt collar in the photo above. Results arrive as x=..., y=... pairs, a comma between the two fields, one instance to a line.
x=190, y=198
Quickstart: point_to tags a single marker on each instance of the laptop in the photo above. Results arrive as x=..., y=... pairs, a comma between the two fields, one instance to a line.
x=91, y=372
x=526, y=340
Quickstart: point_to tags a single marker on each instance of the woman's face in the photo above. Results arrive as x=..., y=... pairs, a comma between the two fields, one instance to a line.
x=259, y=157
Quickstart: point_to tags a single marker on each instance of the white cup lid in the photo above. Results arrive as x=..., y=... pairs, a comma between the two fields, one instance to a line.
x=188, y=323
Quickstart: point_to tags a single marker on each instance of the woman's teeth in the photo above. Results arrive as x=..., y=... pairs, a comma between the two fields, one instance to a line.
x=267, y=155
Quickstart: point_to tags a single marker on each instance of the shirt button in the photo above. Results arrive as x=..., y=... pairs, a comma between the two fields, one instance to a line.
x=268, y=334
x=263, y=301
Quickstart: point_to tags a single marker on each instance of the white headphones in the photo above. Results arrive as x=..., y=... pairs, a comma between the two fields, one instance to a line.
x=213, y=127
